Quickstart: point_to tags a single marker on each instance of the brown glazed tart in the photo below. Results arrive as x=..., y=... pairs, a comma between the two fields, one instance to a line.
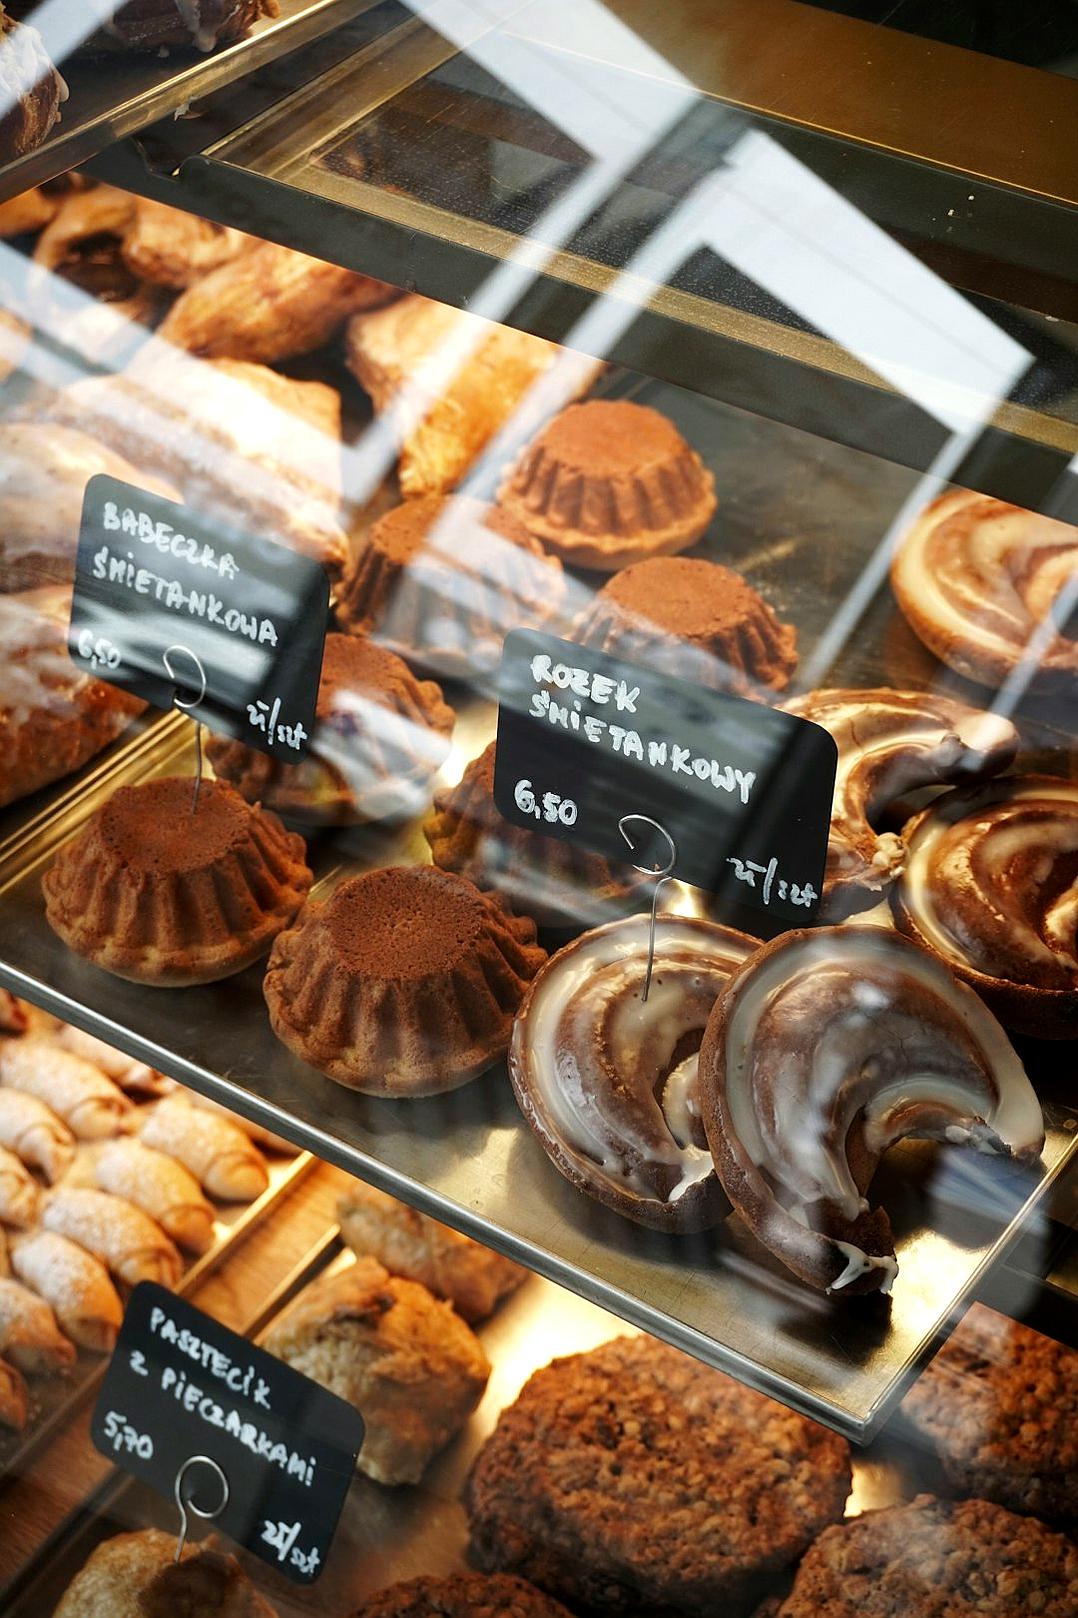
x=443, y=579
x=607, y=1081
x=379, y=739
x=404, y=982
x=891, y=743
x=693, y=619
x=609, y=482
x=162, y=893
x=802, y=1089
x=978, y=580
x=991, y=888
x=556, y=882
x=34, y=90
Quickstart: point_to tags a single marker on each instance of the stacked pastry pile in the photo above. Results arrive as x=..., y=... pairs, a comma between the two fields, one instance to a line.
x=106, y=1175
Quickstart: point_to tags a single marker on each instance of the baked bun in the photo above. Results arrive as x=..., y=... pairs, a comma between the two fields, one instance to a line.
x=991, y=888
x=827, y=1047
x=159, y=892
x=609, y=482
x=380, y=737
x=979, y=582
x=607, y=1081
x=81, y=289
x=404, y=982
x=33, y=90
x=693, y=619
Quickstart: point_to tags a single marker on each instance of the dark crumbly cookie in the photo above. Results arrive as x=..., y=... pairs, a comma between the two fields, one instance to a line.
x=1000, y=1404
x=937, y=1559
x=635, y=1480
x=462, y=1595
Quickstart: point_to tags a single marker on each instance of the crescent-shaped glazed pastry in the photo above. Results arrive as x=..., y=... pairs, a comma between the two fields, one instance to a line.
x=978, y=581
x=162, y=1187
x=20, y=1195
x=607, y=1081
x=74, y=1283
x=991, y=885
x=891, y=743
x=29, y=1335
x=120, y=1234
x=33, y=1132
x=78, y=1092
x=827, y=1047
x=216, y=1152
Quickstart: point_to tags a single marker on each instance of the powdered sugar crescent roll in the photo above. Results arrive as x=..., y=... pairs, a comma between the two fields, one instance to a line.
x=14, y=1404
x=76, y=1090
x=75, y=1284
x=33, y=1132
x=256, y=1132
x=121, y=1235
x=19, y=1193
x=162, y=1187
x=29, y=1335
x=136, y=1078
x=217, y=1153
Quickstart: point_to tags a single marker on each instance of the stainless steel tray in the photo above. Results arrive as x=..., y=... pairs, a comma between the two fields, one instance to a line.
x=807, y=521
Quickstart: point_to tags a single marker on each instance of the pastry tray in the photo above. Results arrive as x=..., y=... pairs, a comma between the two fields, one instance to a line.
x=388, y=1534
x=807, y=521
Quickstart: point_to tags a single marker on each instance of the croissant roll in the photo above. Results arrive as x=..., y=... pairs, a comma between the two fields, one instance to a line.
x=29, y=1335
x=117, y=1232
x=161, y=1187
x=255, y=1132
x=171, y=248
x=33, y=1132
x=14, y=1400
x=19, y=1193
x=76, y=1090
x=133, y=1077
x=269, y=304
x=75, y=1284
x=217, y=1153
x=827, y=1047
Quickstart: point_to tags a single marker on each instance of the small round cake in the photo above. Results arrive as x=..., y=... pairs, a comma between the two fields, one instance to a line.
x=633, y=1479
x=693, y=619
x=462, y=1595
x=609, y=482
x=163, y=892
x=443, y=579
x=556, y=882
x=379, y=739
x=404, y=982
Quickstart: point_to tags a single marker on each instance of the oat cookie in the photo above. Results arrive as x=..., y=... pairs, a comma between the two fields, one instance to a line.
x=462, y=1595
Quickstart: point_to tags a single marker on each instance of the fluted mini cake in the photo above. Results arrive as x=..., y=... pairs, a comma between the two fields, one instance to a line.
x=404, y=982
x=158, y=891
x=442, y=580
x=380, y=737
x=609, y=482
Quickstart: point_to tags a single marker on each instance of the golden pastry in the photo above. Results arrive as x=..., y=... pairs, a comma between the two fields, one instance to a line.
x=117, y=1232
x=217, y=1153
x=14, y=1400
x=161, y=1186
x=411, y=1367
x=256, y=1132
x=79, y=250
x=138, y=1576
x=268, y=304
x=14, y=339
x=20, y=1195
x=29, y=1335
x=33, y=1132
x=27, y=211
x=412, y=1244
x=171, y=248
x=133, y=1077
x=74, y=1283
x=77, y=1091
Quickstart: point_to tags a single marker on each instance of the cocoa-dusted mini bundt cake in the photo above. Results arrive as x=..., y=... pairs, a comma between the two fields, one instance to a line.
x=557, y=883
x=404, y=982
x=694, y=619
x=609, y=482
x=442, y=580
x=380, y=737
x=158, y=891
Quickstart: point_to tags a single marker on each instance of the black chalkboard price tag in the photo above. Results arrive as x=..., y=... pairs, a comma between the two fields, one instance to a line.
x=180, y=1384
x=743, y=791
x=157, y=588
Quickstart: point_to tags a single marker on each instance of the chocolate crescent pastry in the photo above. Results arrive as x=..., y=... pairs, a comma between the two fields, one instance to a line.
x=827, y=1047
x=607, y=1081
x=991, y=886
x=978, y=581
x=891, y=743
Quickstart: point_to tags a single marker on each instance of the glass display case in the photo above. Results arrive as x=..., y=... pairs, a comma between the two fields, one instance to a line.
x=688, y=403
